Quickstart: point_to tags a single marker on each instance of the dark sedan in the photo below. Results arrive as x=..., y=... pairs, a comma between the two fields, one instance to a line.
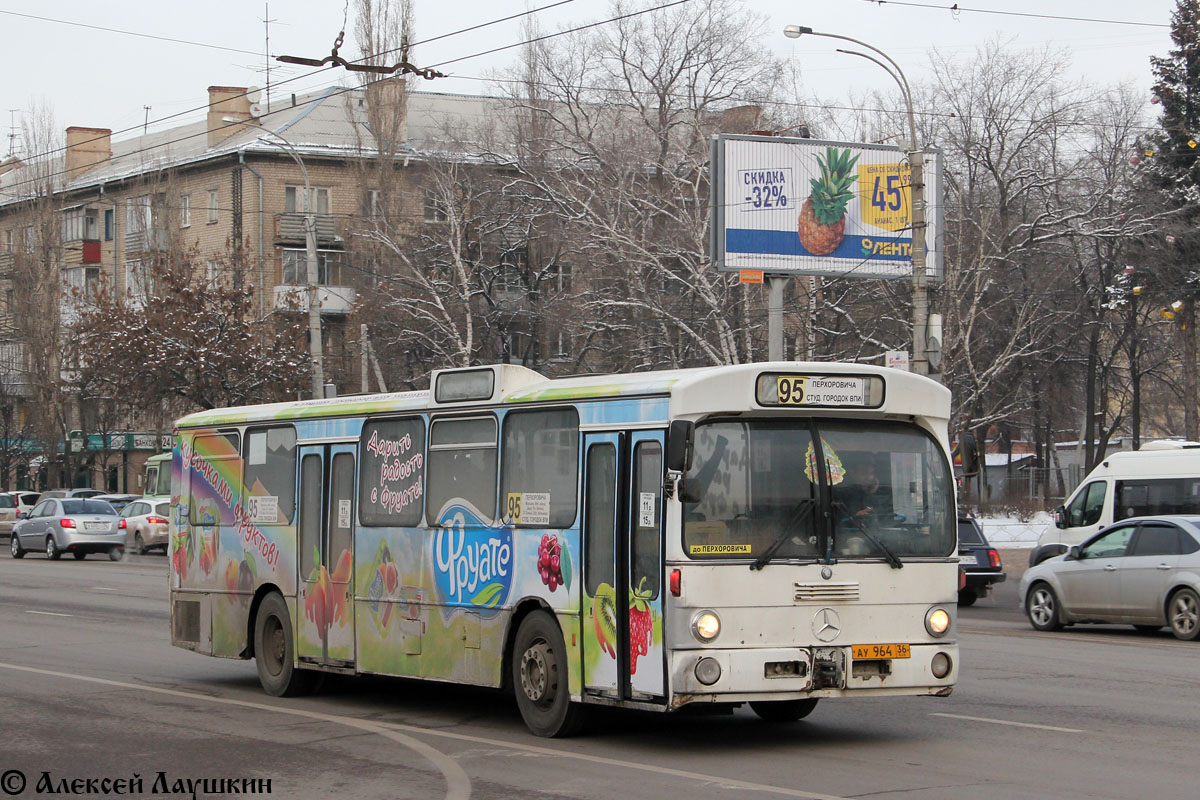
x=979, y=560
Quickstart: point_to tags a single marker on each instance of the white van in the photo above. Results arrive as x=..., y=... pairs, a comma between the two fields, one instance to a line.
x=1161, y=478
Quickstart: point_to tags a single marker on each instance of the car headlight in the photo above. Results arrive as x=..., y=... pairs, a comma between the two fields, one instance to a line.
x=937, y=621
x=706, y=625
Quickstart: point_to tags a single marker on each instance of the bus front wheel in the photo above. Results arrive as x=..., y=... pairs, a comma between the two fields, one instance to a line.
x=539, y=678
x=275, y=651
x=783, y=710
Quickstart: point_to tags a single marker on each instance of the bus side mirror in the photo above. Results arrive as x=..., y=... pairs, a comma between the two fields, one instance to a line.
x=679, y=445
x=1060, y=517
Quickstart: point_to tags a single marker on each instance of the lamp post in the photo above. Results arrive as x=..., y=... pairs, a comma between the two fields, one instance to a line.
x=310, y=251
x=916, y=161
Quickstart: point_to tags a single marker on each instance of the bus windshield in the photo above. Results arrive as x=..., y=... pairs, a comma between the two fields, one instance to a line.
x=755, y=488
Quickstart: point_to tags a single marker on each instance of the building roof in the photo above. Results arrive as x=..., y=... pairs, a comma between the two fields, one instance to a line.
x=326, y=122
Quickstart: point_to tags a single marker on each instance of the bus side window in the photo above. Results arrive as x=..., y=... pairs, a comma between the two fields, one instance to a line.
x=541, y=458
x=647, y=481
x=462, y=466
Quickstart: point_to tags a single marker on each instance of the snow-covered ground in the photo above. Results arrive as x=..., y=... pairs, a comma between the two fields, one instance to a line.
x=1010, y=532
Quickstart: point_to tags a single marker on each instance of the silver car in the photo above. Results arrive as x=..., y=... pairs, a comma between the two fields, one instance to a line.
x=11, y=504
x=147, y=525
x=1143, y=571
x=69, y=525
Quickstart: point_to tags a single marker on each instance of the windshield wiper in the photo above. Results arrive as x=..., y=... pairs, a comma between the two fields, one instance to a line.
x=805, y=508
x=891, y=557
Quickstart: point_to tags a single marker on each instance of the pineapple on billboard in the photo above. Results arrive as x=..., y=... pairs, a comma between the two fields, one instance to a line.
x=807, y=207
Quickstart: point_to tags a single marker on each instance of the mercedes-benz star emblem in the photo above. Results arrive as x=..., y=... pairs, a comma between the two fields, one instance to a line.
x=826, y=624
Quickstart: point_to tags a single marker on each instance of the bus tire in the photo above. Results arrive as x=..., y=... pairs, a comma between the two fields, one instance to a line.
x=539, y=678
x=1041, y=606
x=783, y=710
x=275, y=651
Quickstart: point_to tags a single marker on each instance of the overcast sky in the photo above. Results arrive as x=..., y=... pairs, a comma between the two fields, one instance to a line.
x=104, y=78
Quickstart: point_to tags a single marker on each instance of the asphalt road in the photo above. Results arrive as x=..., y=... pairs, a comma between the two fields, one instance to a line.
x=90, y=688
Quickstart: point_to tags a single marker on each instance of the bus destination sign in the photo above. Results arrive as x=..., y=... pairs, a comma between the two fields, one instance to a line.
x=848, y=391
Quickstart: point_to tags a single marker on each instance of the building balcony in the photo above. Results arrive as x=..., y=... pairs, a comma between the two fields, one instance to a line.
x=289, y=227
x=81, y=251
x=330, y=299
x=142, y=241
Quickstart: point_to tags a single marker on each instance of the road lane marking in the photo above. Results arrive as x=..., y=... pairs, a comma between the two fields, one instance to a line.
x=1007, y=722
x=49, y=613
x=103, y=589
x=460, y=787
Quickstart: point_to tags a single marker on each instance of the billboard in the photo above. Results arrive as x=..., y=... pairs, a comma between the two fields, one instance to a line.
x=809, y=207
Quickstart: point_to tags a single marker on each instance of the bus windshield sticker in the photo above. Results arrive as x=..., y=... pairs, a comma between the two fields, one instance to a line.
x=646, y=510
x=805, y=390
x=263, y=508
x=344, y=507
x=833, y=464
x=718, y=549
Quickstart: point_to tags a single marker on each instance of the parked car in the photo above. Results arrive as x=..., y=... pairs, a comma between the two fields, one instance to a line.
x=146, y=525
x=117, y=501
x=979, y=560
x=72, y=525
x=71, y=493
x=1143, y=571
x=11, y=504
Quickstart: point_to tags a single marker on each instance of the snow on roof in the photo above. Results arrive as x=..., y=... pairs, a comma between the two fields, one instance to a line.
x=327, y=122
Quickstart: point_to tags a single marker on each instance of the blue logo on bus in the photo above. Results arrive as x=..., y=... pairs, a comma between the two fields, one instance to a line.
x=472, y=564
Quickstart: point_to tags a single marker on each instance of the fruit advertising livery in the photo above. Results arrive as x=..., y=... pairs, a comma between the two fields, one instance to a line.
x=798, y=206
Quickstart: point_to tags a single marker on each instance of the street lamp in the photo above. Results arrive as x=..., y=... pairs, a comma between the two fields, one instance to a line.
x=916, y=160
x=310, y=250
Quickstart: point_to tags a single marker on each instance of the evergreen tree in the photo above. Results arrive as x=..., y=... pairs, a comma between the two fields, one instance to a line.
x=1173, y=175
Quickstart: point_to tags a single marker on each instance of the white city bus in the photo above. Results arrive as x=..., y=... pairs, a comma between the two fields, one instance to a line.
x=767, y=534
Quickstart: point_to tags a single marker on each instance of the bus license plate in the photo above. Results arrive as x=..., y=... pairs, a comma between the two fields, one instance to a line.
x=871, y=651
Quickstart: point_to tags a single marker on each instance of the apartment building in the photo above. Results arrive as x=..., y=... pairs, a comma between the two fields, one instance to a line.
x=228, y=193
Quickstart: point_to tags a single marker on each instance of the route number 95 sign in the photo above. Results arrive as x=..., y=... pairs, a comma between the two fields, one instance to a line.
x=853, y=391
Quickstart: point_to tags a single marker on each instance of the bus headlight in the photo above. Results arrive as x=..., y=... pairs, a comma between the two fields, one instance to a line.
x=937, y=621
x=708, y=671
x=706, y=625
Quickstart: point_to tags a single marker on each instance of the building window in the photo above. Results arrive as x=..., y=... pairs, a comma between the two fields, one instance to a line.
x=30, y=239
x=137, y=283
x=185, y=211
x=435, y=208
x=80, y=224
x=374, y=204
x=212, y=206
x=295, y=268
x=563, y=275
x=108, y=224
x=8, y=241
x=210, y=270
x=137, y=214
x=293, y=200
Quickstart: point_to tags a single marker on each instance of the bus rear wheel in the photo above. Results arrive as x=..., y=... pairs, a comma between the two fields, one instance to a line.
x=539, y=678
x=275, y=651
x=783, y=710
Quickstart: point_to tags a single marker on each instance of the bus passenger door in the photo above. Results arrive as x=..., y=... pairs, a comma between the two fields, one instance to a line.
x=601, y=513
x=326, y=545
x=643, y=668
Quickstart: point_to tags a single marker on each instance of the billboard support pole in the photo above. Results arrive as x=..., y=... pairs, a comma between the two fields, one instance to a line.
x=775, y=286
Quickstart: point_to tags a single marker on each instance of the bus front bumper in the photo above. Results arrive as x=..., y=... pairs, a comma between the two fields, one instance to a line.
x=796, y=672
